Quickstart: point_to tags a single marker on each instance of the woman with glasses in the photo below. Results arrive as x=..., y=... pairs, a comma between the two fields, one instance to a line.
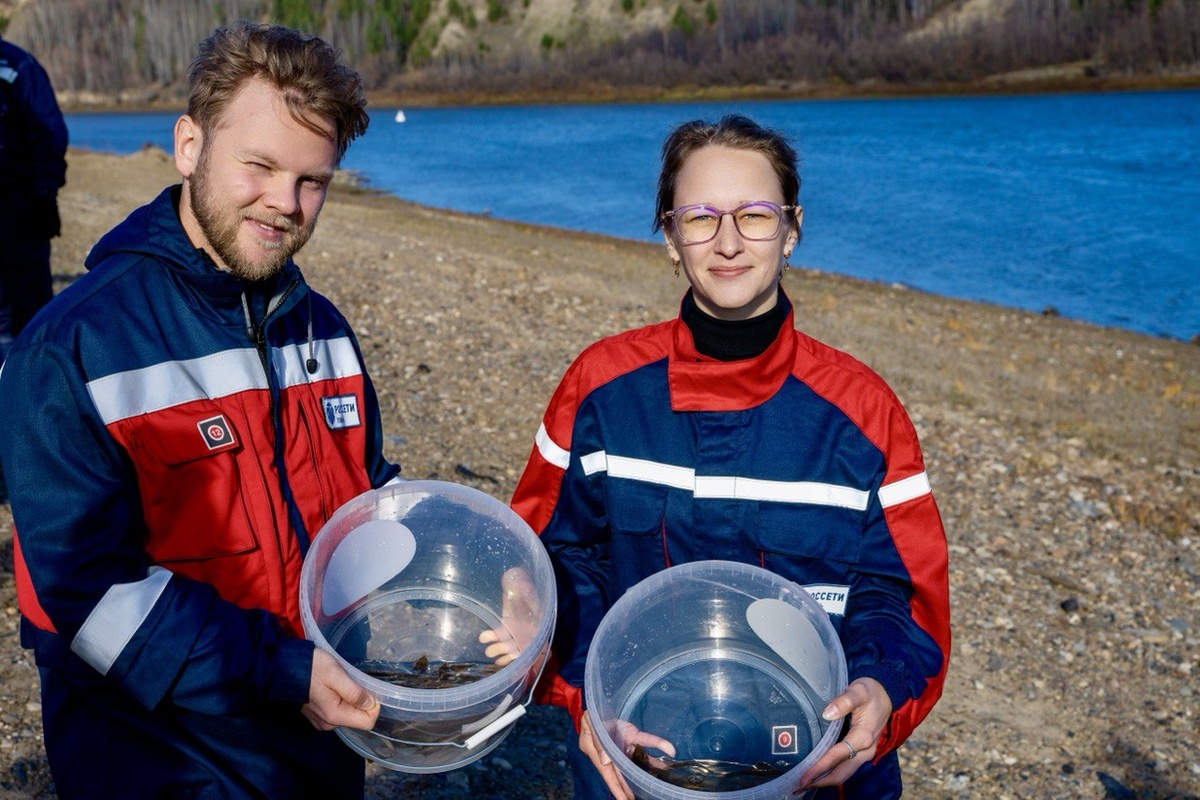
x=728, y=434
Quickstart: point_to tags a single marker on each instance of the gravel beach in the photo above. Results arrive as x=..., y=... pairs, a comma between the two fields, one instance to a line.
x=1065, y=459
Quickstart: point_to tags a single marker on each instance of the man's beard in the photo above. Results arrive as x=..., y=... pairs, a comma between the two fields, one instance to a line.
x=220, y=226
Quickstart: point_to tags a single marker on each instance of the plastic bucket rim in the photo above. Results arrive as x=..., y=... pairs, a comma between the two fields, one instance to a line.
x=450, y=698
x=639, y=778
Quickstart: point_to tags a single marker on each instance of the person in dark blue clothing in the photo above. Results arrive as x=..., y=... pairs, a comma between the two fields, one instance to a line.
x=171, y=459
x=726, y=433
x=33, y=167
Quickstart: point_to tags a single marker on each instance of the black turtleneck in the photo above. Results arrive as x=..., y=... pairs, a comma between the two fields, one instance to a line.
x=733, y=340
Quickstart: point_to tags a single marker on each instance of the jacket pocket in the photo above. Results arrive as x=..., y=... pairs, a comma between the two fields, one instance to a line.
x=187, y=461
x=636, y=514
x=798, y=532
x=634, y=508
x=325, y=460
x=313, y=465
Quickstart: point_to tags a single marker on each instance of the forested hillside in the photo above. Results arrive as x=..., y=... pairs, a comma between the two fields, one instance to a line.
x=138, y=50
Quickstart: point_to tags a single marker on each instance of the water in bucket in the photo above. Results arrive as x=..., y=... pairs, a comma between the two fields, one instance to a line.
x=729, y=663
x=399, y=585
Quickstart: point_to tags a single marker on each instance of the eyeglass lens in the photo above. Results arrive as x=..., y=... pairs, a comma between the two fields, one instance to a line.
x=753, y=221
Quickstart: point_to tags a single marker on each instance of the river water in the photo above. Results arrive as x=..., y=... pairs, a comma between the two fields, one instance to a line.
x=1087, y=204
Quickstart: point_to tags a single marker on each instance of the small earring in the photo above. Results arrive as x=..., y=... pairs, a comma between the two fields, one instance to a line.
x=787, y=264
x=675, y=263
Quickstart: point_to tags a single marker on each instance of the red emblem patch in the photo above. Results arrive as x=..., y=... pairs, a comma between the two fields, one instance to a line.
x=215, y=431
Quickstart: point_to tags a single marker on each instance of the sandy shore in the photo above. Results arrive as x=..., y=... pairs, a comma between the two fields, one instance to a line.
x=1065, y=458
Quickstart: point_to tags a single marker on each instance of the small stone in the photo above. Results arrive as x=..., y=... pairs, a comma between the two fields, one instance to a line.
x=958, y=782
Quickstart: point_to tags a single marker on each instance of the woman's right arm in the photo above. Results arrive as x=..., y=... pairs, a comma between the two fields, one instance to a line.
x=565, y=508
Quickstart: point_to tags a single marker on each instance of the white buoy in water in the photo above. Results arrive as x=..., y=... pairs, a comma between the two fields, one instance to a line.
x=400, y=115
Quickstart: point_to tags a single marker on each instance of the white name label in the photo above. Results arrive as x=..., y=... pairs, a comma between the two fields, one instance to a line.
x=831, y=598
x=341, y=411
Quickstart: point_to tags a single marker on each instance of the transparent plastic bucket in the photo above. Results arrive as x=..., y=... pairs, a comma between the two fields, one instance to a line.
x=731, y=664
x=402, y=580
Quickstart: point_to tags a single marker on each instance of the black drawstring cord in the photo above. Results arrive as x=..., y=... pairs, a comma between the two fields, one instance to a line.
x=311, y=365
x=249, y=319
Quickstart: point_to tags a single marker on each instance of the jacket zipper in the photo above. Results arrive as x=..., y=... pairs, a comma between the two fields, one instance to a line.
x=259, y=337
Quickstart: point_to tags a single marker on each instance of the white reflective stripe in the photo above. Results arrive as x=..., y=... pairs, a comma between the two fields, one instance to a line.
x=335, y=359
x=716, y=486
x=902, y=491
x=116, y=618
x=549, y=450
x=809, y=492
x=594, y=462
x=171, y=383
x=726, y=487
x=652, y=472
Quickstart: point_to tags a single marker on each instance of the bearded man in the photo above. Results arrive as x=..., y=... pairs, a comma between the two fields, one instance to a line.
x=179, y=423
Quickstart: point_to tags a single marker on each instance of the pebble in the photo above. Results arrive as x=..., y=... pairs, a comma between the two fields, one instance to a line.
x=957, y=783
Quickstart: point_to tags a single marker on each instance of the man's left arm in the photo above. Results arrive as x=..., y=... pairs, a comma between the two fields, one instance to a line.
x=379, y=469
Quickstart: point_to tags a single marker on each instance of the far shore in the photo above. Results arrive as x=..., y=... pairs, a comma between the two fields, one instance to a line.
x=1060, y=79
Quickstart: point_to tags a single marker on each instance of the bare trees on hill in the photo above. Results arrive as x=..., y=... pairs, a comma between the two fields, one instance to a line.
x=106, y=46
x=110, y=46
x=902, y=42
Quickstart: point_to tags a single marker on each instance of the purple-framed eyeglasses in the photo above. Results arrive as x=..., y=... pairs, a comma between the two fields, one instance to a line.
x=757, y=220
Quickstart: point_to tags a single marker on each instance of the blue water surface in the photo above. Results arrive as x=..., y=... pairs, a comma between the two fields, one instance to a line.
x=1084, y=203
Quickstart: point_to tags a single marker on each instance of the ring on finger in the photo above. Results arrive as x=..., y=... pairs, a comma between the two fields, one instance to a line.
x=850, y=747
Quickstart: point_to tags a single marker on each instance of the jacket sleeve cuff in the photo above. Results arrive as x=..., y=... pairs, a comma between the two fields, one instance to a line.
x=553, y=690
x=890, y=678
x=291, y=673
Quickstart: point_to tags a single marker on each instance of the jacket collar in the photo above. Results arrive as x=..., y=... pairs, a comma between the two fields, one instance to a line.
x=154, y=231
x=700, y=383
